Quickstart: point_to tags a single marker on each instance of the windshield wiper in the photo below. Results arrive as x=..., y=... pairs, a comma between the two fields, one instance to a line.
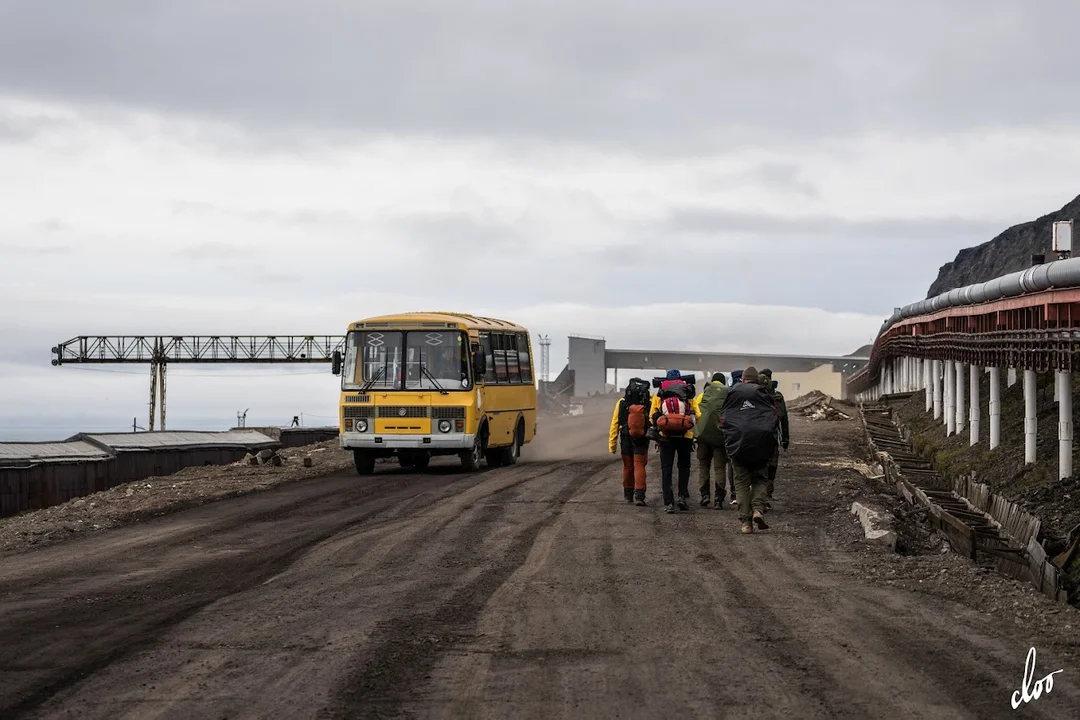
x=374, y=379
x=423, y=369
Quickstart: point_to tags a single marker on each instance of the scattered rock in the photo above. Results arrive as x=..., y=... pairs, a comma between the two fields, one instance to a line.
x=308, y=461
x=877, y=525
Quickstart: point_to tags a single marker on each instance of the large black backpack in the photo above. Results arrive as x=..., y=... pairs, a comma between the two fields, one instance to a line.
x=637, y=393
x=749, y=420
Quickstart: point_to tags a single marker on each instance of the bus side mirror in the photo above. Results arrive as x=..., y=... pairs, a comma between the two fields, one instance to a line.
x=336, y=367
x=479, y=363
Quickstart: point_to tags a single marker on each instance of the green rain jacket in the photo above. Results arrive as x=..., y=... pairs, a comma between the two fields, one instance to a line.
x=712, y=399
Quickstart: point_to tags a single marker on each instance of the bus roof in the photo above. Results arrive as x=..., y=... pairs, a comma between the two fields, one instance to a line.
x=472, y=322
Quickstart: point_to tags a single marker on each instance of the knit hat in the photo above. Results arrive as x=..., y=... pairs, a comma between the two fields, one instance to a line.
x=674, y=375
x=750, y=375
x=766, y=373
x=719, y=377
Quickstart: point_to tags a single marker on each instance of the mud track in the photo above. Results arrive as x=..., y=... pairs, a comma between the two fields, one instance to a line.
x=530, y=591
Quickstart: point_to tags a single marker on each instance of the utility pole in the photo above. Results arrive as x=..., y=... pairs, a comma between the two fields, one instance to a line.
x=241, y=419
x=157, y=381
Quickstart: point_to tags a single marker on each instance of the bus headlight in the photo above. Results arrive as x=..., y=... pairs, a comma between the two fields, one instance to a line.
x=361, y=425
x=444, y=426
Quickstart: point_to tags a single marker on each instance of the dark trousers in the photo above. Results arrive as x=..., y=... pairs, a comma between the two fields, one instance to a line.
x=683, y=448
x=773, y=464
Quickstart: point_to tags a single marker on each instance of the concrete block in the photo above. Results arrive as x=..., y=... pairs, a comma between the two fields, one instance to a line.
x=877, y=526
x=308, y=461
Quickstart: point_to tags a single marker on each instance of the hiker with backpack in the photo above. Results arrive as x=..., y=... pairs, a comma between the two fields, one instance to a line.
x=785, y=431
x=711, y=454
x=630, y=435
x=674, y=409
x=736, y=378
x=750, y=421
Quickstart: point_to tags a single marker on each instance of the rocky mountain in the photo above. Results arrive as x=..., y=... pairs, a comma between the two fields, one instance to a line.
x=1008, y=252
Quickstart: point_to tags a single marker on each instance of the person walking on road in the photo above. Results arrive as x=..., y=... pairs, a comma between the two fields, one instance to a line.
x=673, y=415
x=736, y=378
x=750, y=421
x=770, y=386
x=711, y=455
x=630, y=435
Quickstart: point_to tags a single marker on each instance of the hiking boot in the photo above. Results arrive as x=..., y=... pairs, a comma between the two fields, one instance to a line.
x=669, y=509
x=628, y=494
x=704, y=501
x=733, y=501
x=747, y=528
x=759, y=520
x=719, y=504
x=640, y=502
x=682, y=504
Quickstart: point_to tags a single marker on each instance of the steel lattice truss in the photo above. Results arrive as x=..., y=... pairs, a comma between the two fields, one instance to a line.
x=162, y=349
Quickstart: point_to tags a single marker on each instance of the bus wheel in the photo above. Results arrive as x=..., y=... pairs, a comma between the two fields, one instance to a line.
x=420, y=460
x=470, y=459
x=364, y=462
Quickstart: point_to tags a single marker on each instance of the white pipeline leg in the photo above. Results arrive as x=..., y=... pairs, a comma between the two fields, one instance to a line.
x=935, y=373
x=1031, y=419
x=974, y=409
x=1065, y=431
x=950, y=397
x=926, y=367
x=1012, y=376
x=995, y=407
x=961, y=397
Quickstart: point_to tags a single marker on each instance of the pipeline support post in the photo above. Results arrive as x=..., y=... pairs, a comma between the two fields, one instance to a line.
x=974, y=410
x=995, y=407
x=1031, y=419
x=927, y=387
x=961, y=397
x=1065, y=430
x=936, y=373
x=1012, y=376
x=950, y=398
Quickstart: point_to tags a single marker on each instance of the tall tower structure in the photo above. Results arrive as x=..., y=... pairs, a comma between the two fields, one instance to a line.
x=545, y=358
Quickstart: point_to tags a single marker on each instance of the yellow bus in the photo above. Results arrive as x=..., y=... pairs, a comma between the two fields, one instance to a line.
x=416, y=385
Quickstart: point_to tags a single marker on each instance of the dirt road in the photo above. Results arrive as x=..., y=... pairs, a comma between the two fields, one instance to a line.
x=525, y=592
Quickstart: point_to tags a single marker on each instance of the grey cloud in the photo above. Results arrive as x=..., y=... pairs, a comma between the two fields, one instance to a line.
x=38, y=248
x=686, y=77
x=774, y=176
x=919, y=231
x=304, y=217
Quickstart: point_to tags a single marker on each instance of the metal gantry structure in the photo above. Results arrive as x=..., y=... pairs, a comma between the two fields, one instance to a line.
x=160, y=351
x=545, y=357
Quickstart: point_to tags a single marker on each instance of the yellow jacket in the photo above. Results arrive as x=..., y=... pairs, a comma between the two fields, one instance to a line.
x=694, y=405
x=613, y=432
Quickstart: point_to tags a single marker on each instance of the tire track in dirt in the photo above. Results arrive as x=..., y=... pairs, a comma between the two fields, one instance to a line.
x=66, y=641
x=407, y=647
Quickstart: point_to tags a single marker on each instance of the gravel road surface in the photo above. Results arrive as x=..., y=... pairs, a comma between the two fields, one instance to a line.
x=525, y=592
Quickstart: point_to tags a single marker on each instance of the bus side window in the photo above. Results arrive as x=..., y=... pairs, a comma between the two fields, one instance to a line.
x=485, y=343
x=510, y=343
x=500, y=358
x=523, y=358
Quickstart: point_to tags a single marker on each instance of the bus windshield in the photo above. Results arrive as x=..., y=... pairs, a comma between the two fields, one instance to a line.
x=412, y=360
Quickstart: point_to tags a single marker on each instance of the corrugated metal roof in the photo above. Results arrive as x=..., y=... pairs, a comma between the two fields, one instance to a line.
x=18, y=454
x=159, y=440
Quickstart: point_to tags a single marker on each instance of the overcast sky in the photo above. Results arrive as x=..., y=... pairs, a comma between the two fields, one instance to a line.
x=768, y=176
